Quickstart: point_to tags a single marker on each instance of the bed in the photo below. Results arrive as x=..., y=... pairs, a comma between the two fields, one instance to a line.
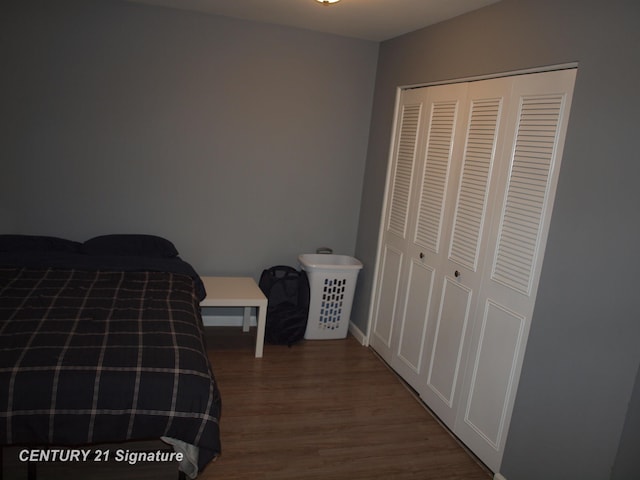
x=102, y=342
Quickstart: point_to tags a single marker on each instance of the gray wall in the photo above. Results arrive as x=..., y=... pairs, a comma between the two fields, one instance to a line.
x=243, y=143
x=583, y=355
x=119, y=117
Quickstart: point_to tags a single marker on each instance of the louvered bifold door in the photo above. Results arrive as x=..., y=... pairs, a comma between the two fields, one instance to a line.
x=437, y=166
x=470, y=190
x=522, y=203
x=458, y=276
x=404, y=151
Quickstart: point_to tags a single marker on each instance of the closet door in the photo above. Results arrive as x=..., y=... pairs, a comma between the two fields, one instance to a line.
x=428, y=122
x=461, y=261
x=522, y=200
x=391, y=257
x=470, y=193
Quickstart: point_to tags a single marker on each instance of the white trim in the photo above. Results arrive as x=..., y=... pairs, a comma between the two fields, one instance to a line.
x=513, y=73
x=381, y=220
x=358, y=334
x=498, y=476
x=236, y=321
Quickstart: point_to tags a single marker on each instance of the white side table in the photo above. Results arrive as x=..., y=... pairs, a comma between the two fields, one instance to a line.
x=238, y=292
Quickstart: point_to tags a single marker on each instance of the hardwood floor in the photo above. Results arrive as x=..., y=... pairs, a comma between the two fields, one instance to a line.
x=324, y=409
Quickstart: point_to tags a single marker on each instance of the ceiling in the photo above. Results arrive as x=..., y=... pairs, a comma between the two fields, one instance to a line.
x=375, y=20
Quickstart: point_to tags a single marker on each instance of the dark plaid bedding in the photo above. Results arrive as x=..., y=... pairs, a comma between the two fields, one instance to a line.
x=99, y=356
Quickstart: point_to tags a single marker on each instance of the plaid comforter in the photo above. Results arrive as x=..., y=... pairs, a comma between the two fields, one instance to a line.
x=101, y=356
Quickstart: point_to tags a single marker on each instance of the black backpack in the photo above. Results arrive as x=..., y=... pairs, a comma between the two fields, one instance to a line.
x=287, y=292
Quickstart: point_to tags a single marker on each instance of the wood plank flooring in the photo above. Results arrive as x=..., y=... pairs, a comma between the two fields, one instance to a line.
x=324, y=409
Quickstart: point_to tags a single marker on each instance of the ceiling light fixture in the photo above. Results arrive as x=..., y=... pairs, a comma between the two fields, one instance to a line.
x=327, y=2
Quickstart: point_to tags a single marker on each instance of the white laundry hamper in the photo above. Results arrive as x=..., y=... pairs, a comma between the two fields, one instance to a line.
x=332, y=283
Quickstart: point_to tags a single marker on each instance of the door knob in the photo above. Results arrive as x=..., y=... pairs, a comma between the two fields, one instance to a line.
x=421, y=255
x=457, y=273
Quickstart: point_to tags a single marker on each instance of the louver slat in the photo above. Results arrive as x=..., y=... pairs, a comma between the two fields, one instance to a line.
x=527, y=191
x=472, y=196
x=404, y=169
x=434, y=179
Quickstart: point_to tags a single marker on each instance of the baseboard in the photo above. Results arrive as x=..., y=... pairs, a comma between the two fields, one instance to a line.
x=499, y=476
x=236, y=321
x=357, y=334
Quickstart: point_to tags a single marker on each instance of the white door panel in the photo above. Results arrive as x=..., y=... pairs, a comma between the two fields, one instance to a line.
x=446, y=356
x=487, y=100
x=386, y=303
x=390, y=283
x=414, y=322
x=458, y=265
x=494, y=367
x=513, y=250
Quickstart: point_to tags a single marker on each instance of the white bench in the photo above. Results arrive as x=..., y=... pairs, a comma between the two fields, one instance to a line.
x=238, y=292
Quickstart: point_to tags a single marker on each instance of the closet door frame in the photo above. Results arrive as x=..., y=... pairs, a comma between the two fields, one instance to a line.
x=472, y=350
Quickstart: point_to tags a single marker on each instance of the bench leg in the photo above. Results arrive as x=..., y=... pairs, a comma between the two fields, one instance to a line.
x=261, y=313
x=246, y=319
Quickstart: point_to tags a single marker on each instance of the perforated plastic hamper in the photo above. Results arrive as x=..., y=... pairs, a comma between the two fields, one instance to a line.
x=332, y=283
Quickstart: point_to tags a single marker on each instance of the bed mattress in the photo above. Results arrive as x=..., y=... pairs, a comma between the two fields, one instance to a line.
x=98, y=355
